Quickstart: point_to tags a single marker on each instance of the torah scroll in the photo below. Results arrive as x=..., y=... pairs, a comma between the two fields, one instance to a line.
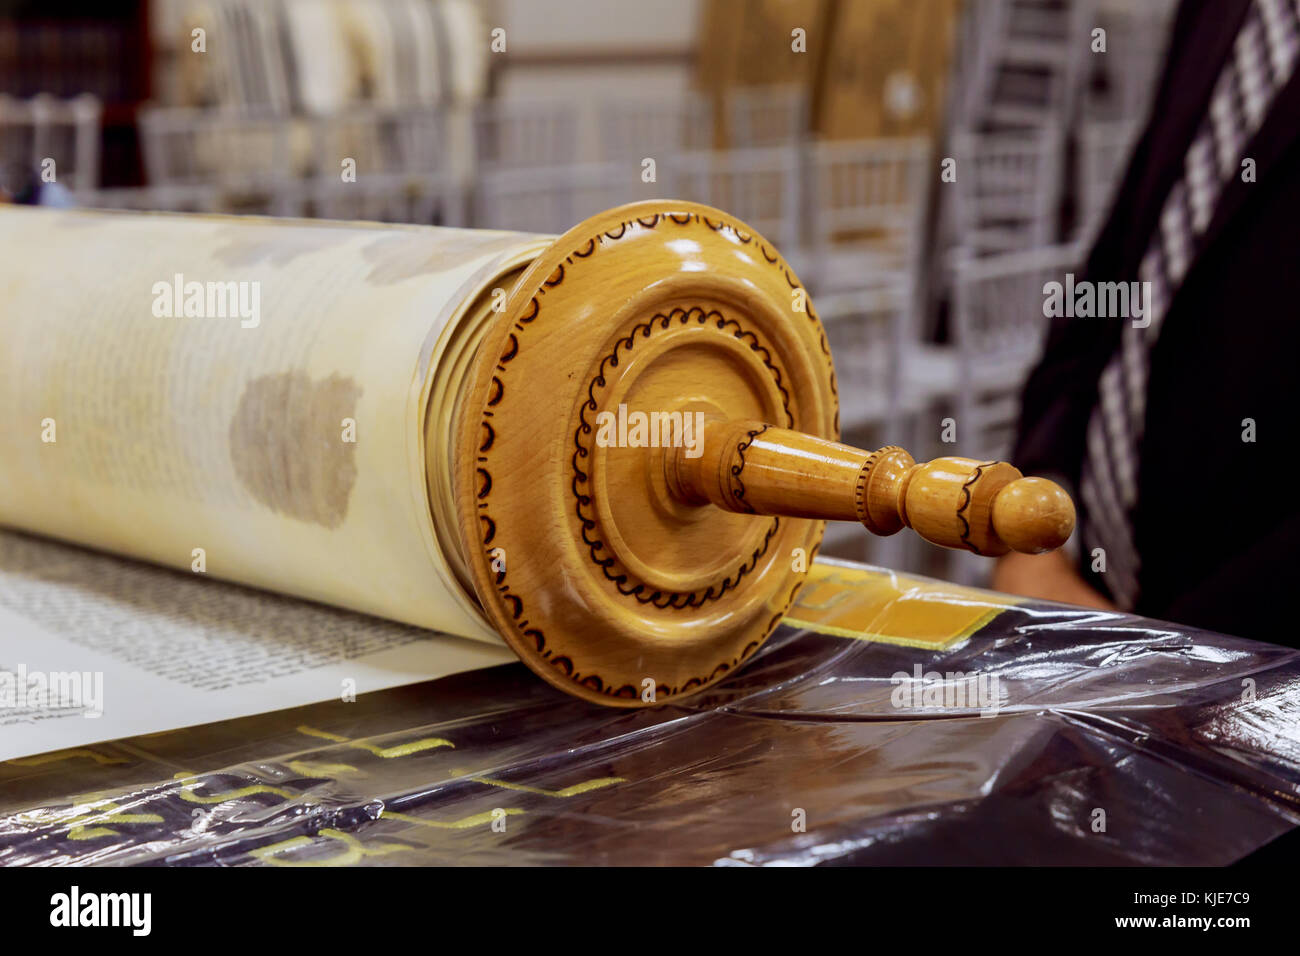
x=616, y=450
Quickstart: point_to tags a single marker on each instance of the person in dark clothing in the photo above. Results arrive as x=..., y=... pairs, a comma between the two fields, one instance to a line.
x=1177, y=439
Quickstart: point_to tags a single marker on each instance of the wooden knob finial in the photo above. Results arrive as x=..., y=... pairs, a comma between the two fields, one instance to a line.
x=1033, y=515
x=988, y=508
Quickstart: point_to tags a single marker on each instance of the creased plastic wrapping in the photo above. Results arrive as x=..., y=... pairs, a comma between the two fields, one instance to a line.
x=1084, y=737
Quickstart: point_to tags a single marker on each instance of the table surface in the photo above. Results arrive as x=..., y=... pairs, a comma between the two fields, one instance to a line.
x=1082, y=737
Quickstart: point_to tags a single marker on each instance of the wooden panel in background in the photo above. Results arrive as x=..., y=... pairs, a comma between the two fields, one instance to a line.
x=872, y=67
x=749, y=43
x=886, y=70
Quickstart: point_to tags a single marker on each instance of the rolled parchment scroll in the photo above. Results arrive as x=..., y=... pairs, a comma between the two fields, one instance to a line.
x=615, y=450
x=245, y=397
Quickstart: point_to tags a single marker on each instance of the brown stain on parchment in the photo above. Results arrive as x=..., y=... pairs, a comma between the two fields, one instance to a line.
x=273, y=245
x=286, y=443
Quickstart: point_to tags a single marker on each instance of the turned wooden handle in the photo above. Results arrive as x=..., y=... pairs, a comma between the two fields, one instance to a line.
x=985, y=507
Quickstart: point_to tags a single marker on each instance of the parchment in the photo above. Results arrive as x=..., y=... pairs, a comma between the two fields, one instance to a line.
x=220, y=444
x=95, y=647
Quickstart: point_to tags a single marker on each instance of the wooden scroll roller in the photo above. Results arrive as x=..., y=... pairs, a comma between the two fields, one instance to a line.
x=751, y=467
x=637, y=565
x=615, y=449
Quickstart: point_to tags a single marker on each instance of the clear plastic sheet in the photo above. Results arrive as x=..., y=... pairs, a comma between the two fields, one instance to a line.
x=1114, y=740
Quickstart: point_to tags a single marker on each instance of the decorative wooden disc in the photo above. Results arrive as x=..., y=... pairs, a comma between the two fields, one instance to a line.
x=599, y=578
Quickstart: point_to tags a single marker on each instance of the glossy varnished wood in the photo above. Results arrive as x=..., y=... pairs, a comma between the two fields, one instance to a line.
x=632, y=574
x=756, y=468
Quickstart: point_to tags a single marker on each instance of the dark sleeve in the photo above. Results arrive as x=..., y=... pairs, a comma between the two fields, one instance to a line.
x=1253, y=595
x=1058, y=398
x=1061, y=391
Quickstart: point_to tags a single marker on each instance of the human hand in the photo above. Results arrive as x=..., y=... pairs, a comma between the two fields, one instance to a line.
x=1050, y=577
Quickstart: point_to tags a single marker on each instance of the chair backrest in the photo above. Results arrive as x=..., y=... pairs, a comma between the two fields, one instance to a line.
x=184, y=145
x=759, y=186
x=864, y=329
x=421, y=139
x=365, y=136
x=429, y=199
x=870, y=193
x=521, y=134
x=1020, y=63
x=1000, y=328
x=1007, y=189
x=760, y=116
x=549, y=199
x=44, y=128
x=381, y=140
x=656, y=127
x=999, y=304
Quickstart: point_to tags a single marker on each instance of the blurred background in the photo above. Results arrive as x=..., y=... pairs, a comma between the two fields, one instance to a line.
x=826, y=124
